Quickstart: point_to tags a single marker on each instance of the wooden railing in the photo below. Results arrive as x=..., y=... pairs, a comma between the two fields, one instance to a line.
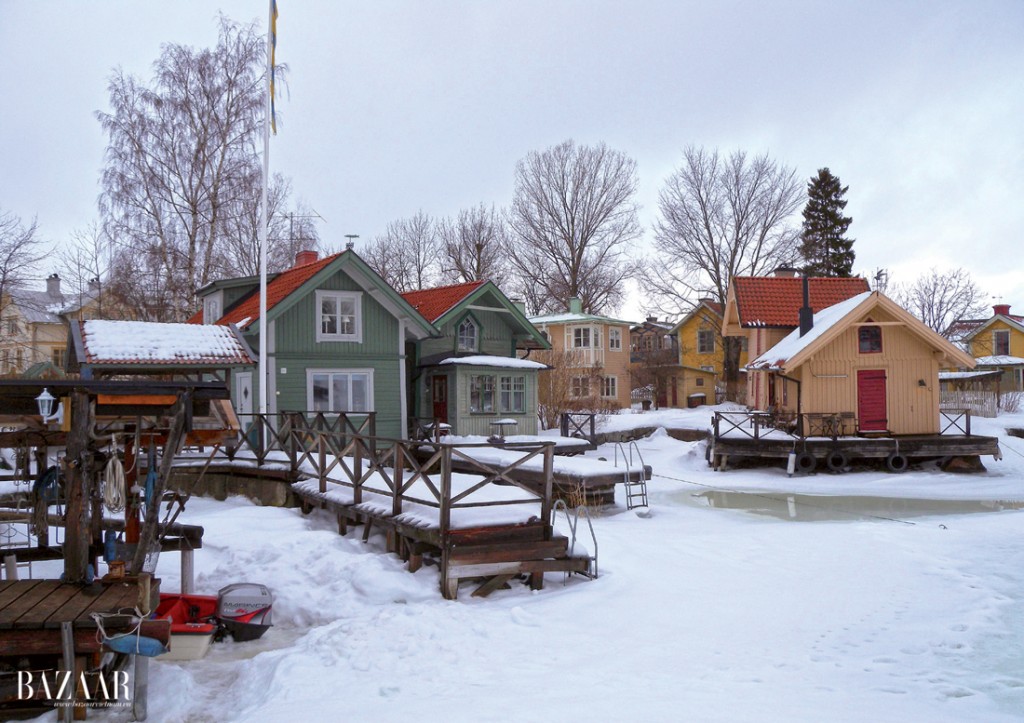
x=295, y=433
x=809, y=424
x=959, y=421
x=581, y=425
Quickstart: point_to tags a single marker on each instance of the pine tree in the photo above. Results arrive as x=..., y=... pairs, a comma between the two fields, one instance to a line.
x=825, y=250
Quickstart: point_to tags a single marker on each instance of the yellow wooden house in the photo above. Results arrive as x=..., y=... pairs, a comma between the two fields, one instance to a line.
x=702, y=353
x=997, y=343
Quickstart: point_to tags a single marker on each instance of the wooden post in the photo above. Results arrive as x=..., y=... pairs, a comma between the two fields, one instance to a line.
x=175, y=436
x=140, y=692
x=446, y=491
x=545, y=509
x=188, y=584
x=357, y=491
x=321, y=462
x=67, y=644
x=11, y=567
x=76, y=533
x=131, y=508
x=398, y=478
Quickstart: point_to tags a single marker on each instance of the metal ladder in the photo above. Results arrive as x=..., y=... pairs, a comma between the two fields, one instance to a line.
x=636, y=490
x=573, y=521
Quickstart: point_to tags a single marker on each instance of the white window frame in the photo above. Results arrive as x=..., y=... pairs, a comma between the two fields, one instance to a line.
x=615, y=339
x=997, y=334
x=609, y=387
x=579, y=387
x=356, y=297
x=706, y=334
x=484, y=386
x=213, y=308
x=459, y=345
x=512, y=394
x=577, y=337
x=348, y=372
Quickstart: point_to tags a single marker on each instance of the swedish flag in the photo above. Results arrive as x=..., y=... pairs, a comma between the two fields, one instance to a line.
x=273, y=62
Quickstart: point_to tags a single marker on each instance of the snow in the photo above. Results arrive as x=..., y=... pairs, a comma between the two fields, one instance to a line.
x=999, y=361
x=699, y=613
x=506, y=362
x=151, y=341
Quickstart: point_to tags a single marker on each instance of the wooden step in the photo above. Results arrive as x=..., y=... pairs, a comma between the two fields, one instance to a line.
x=557, y=547
x=531, y=531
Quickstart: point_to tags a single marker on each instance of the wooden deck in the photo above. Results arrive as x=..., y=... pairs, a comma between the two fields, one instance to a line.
x=750, y=435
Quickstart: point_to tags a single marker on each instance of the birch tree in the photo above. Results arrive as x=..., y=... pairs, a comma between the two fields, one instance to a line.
x=19, y=251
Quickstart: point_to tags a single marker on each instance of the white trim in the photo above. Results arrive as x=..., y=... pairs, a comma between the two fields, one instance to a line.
x=402, y=392
x=356, y=297
x=336, y=370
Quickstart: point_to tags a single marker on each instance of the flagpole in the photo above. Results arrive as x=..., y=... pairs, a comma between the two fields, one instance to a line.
x=264, y=330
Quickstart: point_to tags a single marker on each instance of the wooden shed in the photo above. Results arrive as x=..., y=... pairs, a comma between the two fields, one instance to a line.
x=866, y=365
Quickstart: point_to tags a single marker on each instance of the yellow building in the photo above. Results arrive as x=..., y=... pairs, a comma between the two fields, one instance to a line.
x=997, y=343
x=34, y=324
x=702, y=353
x=591, y=352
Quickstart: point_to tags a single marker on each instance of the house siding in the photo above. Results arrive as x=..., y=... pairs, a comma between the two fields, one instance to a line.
x=613, y=363
x=479, y=423
x=496, y=337
x=829, y=380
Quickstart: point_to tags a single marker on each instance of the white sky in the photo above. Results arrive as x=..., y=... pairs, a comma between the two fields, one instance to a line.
x=393, y=107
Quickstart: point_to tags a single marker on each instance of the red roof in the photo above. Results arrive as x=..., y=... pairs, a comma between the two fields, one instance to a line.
x=776, y=301
x=278, y=289
x=434, y=303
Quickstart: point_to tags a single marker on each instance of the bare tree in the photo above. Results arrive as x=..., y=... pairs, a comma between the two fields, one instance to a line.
x=574, y=218
x=474, y=245
x=182, y=170
x=940, y=298
x=19, y=251
x=569, y=385
x=407, y=254
x=721, y=217
x=85, y=264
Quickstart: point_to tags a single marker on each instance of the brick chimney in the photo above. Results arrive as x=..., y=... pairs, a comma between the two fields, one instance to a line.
x=787, y=272
x=53, y=285
x=305, y=257
x=1001, y=309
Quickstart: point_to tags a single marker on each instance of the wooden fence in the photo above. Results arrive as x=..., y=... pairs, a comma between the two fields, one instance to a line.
x=981, y=403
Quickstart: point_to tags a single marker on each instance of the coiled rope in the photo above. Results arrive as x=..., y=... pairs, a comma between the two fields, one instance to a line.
x=114, y=493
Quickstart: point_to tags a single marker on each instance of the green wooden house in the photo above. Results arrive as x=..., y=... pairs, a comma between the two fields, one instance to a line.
x=338, y=339
x=469, y=376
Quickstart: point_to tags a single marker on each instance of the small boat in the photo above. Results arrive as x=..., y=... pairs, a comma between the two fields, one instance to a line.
x=193, y=624
x=242, y=610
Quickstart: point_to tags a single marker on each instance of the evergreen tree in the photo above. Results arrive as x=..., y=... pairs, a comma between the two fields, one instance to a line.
x=825, y=249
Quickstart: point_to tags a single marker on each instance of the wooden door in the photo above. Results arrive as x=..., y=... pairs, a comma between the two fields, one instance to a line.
x=871, y=409
x=439, y=391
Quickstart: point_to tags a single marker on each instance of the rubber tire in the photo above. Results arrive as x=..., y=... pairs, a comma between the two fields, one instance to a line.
x=805, y=463
x=897, y=463
x=837, y=460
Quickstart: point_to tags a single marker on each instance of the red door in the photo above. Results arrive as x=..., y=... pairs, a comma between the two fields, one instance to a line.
x=439, y=389
x=871, y=400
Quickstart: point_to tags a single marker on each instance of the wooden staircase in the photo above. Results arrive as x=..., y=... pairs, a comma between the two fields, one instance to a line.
x=498, y=554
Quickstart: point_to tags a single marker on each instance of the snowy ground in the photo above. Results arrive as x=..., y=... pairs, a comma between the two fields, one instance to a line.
x=699, y=613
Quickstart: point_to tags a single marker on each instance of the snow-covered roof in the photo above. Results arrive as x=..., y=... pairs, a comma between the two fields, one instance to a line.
x=570, y=317
x=950, y=376
x=999, y=361
x=506, y=362
x=793, y=344
x=148, y=343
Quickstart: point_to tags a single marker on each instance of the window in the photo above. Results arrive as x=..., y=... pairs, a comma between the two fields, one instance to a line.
x=59, y=356
x=513, y=394
x=706, y=341
x=580, y=387
x=340, y=391
x=211, y=309
x=609, y=387
x=12, y=326
x=699, y=381
x=581, y=337
x=870, y=339
x=481, y=393
x=338, y=316
x=5, y=360
x=467, y=335
x=615, y=339
x=1001, y=342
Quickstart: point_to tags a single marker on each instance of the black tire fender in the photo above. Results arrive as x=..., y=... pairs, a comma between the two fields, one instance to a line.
x=897, y=463
x=837, y=460
x=805, y=462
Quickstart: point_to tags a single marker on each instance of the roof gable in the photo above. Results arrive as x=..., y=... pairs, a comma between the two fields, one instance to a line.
x=772, y=301
x=1013, y=322
x=435, y=303
x=703, y=309
x=829, y=323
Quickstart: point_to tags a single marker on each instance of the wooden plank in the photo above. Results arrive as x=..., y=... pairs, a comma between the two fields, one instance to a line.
x=97, y=601
x=164, y=400
x=49, y=605
x=24, y=641
x=499, y=568
x=13, y=589
x=491, y=585
x=497, y=533
x=24, y=604
x=542, y=550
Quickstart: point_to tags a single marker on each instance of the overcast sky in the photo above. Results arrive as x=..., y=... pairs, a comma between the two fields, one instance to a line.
x=393, y=107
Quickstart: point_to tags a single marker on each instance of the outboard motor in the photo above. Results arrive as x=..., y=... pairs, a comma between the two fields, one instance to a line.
x=244, y=608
